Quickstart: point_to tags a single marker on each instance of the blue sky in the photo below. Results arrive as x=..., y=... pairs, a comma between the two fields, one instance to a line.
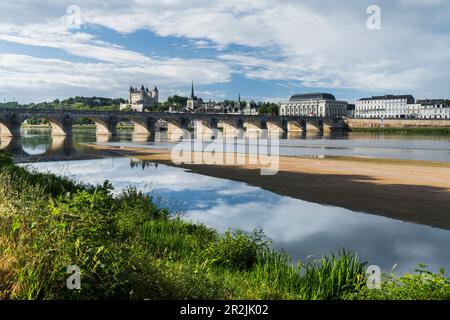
x=265, y=50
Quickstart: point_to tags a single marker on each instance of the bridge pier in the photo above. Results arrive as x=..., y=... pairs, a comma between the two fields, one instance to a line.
x=336, y=124
x=176, y=130
x=254, y=125
x=10, y=125
x=314, y=125
x=296, y=126
x=276, y=126
x=143, y=128
x=327, y=128
x=232, y=126
x=106, y=126
x=205, y=129
x=61, y=127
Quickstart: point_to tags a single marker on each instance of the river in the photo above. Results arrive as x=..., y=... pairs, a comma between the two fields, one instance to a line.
x=300, y=228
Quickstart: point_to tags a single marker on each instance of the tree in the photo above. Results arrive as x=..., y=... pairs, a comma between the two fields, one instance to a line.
x=268, y=108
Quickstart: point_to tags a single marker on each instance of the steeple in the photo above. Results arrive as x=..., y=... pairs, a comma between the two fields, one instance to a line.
x=192, y=90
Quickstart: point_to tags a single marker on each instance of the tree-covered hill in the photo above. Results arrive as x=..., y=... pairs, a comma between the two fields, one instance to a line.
x=75, y=103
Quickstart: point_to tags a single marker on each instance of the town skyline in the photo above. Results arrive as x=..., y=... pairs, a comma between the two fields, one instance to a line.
x=239, y=94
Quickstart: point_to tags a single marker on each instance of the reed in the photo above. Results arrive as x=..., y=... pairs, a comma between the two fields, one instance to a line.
x=127, y=247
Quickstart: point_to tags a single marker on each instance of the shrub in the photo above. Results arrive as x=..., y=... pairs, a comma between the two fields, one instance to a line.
x=421, y=285
x=176, y=238
x=5, y=158
x=236, y=249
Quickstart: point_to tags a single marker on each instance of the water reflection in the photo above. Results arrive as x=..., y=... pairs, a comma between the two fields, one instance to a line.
x=300, y=228
x=40, y=145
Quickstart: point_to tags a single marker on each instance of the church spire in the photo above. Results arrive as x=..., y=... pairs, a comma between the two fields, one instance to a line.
x=192, y=90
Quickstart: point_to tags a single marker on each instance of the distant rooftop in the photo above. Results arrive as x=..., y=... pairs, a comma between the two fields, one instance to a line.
x=312, y=96
x=390, y=97
x=431, y=101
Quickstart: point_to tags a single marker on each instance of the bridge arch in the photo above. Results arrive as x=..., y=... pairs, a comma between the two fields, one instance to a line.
x=10, y=125
x=297, y=125
x=5, y=129
x=276, y=125
x=104, y=125
x=255, y=123
x=231, y=125
x=143, y=126
x=176, y=126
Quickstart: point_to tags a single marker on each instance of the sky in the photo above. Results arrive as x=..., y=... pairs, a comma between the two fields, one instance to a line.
x=266, y=50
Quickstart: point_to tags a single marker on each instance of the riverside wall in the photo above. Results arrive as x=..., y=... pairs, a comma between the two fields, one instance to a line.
x=398, y=123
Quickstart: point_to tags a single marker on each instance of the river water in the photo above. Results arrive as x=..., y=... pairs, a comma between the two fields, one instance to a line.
x=298, y=227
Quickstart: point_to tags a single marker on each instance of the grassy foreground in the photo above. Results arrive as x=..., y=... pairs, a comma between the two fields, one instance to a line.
x=128, y=248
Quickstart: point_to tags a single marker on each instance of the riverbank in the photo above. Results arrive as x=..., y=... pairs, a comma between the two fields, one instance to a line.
x=409, y=131
x=413, y=191
x=404, y=126
x=126, y=247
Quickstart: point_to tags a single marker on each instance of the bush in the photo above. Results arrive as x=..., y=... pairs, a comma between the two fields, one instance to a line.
x=421, y=285
x=175, y=239
x=5, y=158
x=236, y=249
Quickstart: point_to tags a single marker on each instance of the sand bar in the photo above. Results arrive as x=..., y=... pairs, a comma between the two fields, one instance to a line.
x=413, y=191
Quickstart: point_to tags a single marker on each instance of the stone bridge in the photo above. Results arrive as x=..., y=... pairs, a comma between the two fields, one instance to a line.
x=145, y=122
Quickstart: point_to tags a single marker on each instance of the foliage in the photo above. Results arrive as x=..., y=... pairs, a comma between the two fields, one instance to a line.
x=268, y=108
x=236, y=250
x=5, y=158
x=421, y=285
x=74, y=103
x=127, y=247
x=177, y=103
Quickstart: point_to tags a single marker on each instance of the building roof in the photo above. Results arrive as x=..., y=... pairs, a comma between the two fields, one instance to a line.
x=431, y=101
x=312, y=96
x=389, y=97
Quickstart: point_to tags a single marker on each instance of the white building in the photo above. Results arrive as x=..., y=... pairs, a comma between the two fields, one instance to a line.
x=388, y=106
x=141, y=99
x=429, y=109
x=251, y=108
x=314, y=105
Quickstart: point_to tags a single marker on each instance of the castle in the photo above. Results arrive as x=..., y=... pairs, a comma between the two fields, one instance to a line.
x=141, y=99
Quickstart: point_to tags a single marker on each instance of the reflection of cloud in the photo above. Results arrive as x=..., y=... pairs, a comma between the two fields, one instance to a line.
x=161, y=178
x=300, y=228
x=242, y=189
x=304, y=229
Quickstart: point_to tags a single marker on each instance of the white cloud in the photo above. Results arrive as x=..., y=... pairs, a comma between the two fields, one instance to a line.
x=316, y=43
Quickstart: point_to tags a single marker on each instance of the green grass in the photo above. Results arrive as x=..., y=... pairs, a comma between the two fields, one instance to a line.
x=129, y=248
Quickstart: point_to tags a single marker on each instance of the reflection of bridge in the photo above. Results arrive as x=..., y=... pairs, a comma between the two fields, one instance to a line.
x=60, y=148
x=144, y=122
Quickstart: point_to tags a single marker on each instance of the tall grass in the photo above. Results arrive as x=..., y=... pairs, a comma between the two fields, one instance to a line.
x=129, y=248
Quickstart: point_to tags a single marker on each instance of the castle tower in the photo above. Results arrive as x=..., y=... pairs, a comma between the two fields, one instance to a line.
x=155, y=93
